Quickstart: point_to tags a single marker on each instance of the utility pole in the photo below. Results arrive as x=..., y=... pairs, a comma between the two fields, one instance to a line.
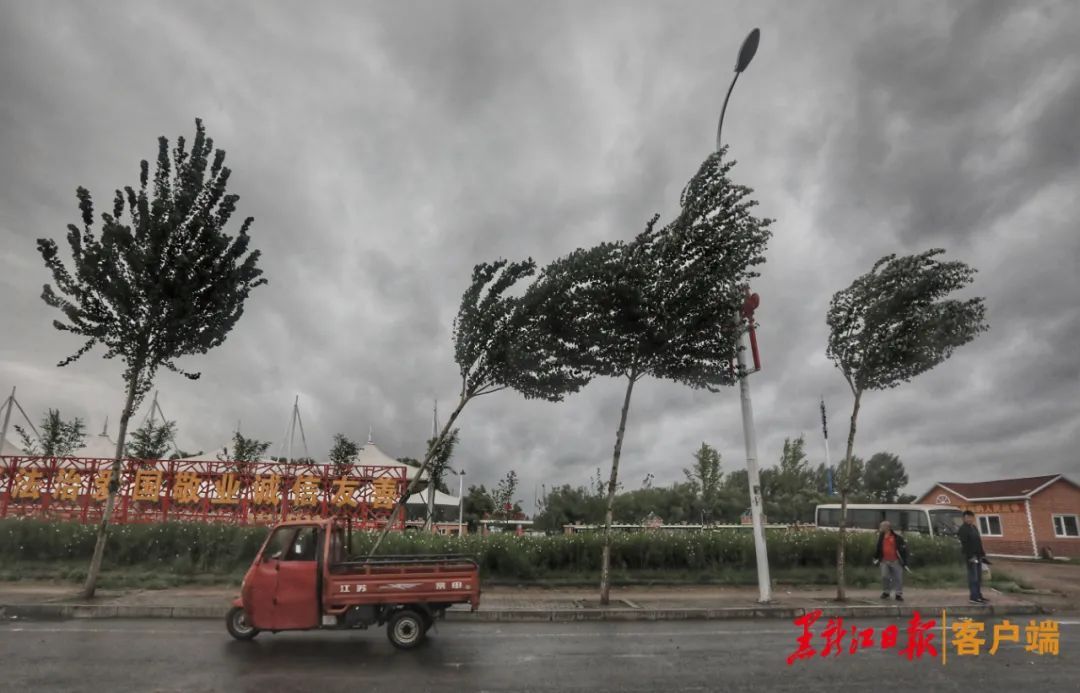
x=746, y=54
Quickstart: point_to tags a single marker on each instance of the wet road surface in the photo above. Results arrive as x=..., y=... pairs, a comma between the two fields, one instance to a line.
x=175, y=655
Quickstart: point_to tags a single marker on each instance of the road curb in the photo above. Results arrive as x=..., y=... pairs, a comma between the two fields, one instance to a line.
x=90, y=611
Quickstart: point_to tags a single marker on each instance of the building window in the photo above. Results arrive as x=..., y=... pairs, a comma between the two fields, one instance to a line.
x=990, y=525
x=1066, y=526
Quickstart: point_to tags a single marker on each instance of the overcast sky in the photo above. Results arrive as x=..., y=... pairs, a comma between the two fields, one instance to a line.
x=385, y=148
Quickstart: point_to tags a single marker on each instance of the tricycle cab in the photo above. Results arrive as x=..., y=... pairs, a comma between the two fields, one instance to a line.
x=302, y=579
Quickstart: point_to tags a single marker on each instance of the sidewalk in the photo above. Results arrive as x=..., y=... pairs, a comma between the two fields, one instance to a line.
x=37, y=600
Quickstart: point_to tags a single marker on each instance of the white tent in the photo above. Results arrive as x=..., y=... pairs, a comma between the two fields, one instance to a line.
x=371, y=455
x=97, y=446
x=9, y=448
x=441, y=499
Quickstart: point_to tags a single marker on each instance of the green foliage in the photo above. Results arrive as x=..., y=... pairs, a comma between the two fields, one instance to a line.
x=176, y=546
x=506, y=506
x=477, y=505
x=896, y=321
x=442, y=451
x=196, y=548
x=787, y=490
x=244, y=450
x=850, y=476
x=59, y=438
x=675, y=504
x=704, y=477
x=662, y=305
x=531, y=557
x=497, y=343
x=884, y=476
x=566, y=505
x=151, y=441
x=343, y=453
x=168, y=283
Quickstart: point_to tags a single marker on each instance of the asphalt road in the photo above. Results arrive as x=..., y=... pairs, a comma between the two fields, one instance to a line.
x=109, y=655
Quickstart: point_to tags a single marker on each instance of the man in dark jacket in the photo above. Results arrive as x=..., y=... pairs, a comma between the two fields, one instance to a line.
x=974, y=557
x=892, y=554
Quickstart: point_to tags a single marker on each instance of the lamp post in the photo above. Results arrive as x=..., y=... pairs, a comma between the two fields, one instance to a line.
x=746, y=54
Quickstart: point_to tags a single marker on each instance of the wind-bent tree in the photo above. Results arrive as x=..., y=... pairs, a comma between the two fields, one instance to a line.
x=167, y=282
x=343, y=453
x=58, y=438
x=892, y=324
x=498, y=345
x=662, y=305
x=151, y=441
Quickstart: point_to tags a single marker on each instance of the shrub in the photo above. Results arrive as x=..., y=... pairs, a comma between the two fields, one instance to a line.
x=193, y=548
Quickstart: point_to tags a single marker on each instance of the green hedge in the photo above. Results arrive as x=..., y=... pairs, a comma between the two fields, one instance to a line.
x=207, y=548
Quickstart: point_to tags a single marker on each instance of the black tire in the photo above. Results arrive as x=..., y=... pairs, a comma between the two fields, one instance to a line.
x=237, y=625
x=406, y=629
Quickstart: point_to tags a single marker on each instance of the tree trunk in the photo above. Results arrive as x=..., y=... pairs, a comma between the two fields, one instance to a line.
x=841, y=586
x=605, y=564
x=114, y=485
x=420, y=472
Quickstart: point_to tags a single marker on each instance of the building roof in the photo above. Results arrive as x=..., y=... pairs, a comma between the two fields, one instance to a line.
x=420, y=498
x=1000, y=489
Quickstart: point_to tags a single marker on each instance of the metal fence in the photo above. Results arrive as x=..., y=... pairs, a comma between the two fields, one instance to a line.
x=76, y=488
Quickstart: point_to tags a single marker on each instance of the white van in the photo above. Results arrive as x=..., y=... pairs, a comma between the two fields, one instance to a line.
x=932, y=520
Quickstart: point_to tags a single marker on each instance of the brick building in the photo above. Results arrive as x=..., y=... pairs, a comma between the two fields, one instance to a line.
x=1028, y=517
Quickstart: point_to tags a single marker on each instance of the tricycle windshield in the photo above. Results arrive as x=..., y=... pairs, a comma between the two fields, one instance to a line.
x=279, y=543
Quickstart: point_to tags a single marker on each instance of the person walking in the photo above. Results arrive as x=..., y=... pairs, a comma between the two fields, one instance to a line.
x=974, y=557
x=891, y=553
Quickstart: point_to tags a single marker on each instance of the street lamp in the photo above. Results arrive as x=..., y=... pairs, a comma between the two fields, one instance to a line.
x=746, y=54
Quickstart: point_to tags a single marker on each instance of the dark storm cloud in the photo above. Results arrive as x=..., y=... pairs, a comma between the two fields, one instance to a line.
x=385, y=148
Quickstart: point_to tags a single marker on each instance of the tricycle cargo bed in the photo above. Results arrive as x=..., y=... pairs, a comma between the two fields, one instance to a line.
x=403, y=563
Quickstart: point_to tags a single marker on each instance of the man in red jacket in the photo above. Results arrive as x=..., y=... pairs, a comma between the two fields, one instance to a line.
x=892, y=554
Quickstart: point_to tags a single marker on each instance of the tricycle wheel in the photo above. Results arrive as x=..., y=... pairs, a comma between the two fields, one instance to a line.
x=237, y=625
x=406, y=629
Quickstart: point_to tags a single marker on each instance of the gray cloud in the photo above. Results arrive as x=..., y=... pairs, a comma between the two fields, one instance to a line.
x=384, y=148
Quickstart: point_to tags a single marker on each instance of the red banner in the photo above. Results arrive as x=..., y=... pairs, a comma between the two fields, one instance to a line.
x=75, y=489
